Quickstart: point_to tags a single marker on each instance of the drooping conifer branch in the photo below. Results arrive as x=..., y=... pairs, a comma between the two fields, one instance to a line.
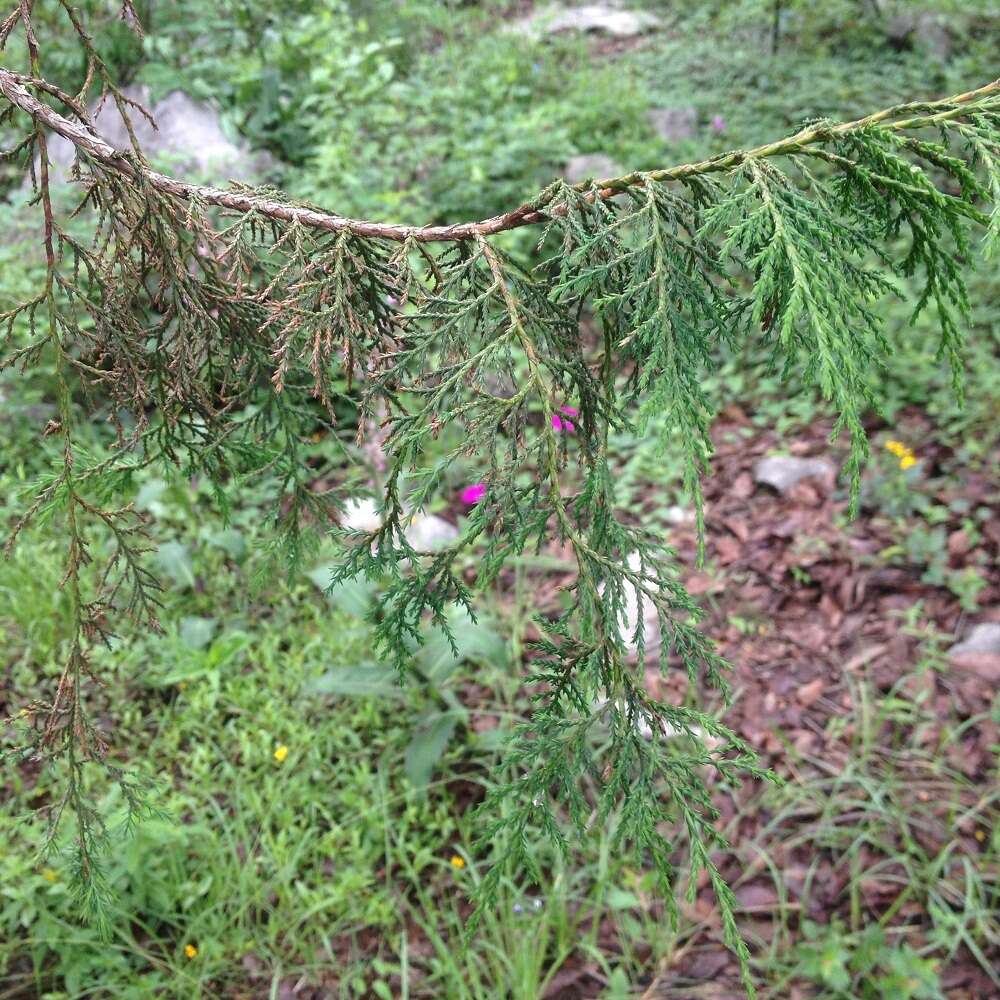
x=216, y=330
x=900, y=118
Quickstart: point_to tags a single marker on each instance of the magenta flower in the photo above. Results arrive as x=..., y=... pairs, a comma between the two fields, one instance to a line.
x=718, y=124
x=471, y=495
x=560, y=423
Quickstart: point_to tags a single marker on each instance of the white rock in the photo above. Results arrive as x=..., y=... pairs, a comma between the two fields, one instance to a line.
x=679, y=515
x=984, y=638
x=425, y=532
x=360, y=515
x=428, y=532
x=668, y=731
x=189, y=138
x=783, y=471
x=630, y=617
x=674, y=124
x=604, y=18
x=591, y=166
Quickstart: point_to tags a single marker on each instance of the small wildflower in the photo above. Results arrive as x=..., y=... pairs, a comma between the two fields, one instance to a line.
x=560, y=423
x=517, y=908
x=536, y=904
x=457, y=861
x=980, y=835
x=191, y=951
x=907, y=457
x=718, y=123
x=281, y=753
x=471, y=495
x=50, y=875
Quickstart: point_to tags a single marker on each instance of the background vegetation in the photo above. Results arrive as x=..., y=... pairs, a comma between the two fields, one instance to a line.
x=314, y=832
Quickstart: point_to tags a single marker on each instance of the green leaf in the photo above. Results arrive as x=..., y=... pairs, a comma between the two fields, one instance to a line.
x=175, y=561
x=427, y=747
x=475, y=641
x=197, y=632
x=622, y=899
x=363, y=680
x=353, y=597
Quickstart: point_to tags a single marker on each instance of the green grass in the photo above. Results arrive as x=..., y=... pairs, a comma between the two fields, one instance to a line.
x=280, y=868
x=330, y=865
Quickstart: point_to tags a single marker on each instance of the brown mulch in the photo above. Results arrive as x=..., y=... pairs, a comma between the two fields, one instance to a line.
x=800, y=602
x=822, y=601
x=803, y=602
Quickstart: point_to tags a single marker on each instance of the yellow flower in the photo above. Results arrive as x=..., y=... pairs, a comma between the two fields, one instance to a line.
x=191, y=951
x=457, y=861
x=906, y=455
x=50, y=875
x=281, y=753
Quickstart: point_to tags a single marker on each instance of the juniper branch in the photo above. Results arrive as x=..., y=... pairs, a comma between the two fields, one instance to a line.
x=900, y=118
x=226, y=325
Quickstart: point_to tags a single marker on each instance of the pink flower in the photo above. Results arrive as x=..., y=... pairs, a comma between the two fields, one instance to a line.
x=561, y=423
x=471, y=495
x=718, y=124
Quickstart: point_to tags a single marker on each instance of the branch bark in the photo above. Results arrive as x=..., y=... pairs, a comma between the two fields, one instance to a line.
x=13, y=86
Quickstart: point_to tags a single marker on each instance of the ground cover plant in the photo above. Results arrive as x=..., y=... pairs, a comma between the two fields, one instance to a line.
x=535, y=424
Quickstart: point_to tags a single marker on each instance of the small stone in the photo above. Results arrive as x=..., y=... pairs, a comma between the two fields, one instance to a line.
x=591, y=166
x=679, y=515
x=674, y=124
x=927, y=31
x=984, y=638
x=360, y=515
x=783, y=471
x=428, y=532
x=425, y=532
x=629, y=623
x=979, y=652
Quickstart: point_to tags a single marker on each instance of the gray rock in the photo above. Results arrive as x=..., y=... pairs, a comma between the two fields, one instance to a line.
x=783, y=471
x=674, y=124
x=926, y=31
x=984, y=638
x=589, y=166
x=680, y=515
x=425, y=532
x=603, y=18
x=361, y=515
x=629, y=623
x=428, y=532
x=189, y=139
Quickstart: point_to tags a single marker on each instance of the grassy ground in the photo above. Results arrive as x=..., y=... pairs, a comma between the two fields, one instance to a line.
x=314, y=836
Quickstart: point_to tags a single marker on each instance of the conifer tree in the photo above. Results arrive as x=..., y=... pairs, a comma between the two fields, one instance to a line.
x=219, y=326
